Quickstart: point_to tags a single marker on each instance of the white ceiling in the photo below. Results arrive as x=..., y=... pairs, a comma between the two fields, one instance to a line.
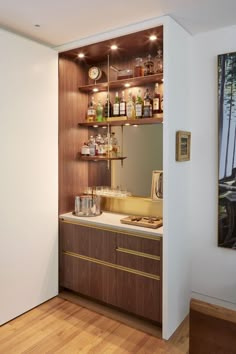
x=64, y=21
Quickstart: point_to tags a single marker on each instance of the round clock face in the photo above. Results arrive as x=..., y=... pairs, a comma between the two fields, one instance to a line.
x=94, y=73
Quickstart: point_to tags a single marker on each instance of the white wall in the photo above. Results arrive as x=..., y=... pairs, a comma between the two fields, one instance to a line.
x=29, y=183
x=177, y=180
x=213, y=268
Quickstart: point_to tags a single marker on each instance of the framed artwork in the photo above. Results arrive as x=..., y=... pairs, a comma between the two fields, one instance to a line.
x=183, y=143
x=227, y=150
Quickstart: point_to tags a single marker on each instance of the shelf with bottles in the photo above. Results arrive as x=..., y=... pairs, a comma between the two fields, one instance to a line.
x=101, y=158
x=118, y=84
x=115, y=121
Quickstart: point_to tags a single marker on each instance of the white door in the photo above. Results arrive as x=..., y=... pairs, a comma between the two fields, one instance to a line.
x=29, y=175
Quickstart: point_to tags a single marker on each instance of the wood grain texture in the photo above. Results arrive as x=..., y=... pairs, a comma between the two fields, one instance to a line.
x=74, y=175
x=212, y=329
x=59, y=326
x=136, y=293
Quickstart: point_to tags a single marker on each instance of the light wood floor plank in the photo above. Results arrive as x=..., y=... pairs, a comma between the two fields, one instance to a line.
x=61, y=327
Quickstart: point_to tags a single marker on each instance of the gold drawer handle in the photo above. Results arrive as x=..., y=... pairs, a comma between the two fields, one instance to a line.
x=111, y=265
x=137, y=253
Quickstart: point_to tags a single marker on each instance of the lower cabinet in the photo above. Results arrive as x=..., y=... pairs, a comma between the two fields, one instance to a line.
x=119, y=269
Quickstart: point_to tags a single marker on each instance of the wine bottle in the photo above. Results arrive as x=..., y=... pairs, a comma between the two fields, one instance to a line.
x=139, y=105
x=156, y=102
x=123, y=105
x=116, y=106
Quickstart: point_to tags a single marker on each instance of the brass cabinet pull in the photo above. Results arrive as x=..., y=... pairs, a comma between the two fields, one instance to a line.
x=111, y=265
x=137, y=253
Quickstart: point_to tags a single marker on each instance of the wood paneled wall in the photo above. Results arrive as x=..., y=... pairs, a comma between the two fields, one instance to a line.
x=74, y=175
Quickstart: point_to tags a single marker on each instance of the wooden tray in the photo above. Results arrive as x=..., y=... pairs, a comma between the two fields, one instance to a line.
x=143, y=222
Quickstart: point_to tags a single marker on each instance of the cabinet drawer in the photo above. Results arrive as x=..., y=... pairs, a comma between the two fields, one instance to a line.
x=139, y=244
x=138, y=261
x=88, y=241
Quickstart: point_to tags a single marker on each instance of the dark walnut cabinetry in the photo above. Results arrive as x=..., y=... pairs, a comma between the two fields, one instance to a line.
x=119, y=269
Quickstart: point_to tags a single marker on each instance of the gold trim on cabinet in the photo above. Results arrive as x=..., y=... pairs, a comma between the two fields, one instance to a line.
x=111, y=265
x=156, y=238
x=137, y=253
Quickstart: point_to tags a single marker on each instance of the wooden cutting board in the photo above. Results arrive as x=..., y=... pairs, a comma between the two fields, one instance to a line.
x=143, y=222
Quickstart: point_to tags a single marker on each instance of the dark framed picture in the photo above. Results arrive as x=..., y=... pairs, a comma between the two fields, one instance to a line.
x=227, y=150
x=183, y=144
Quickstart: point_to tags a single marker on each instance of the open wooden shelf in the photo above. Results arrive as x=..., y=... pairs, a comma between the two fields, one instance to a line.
x=133, y=81
x=100, y=158
x=140, y=121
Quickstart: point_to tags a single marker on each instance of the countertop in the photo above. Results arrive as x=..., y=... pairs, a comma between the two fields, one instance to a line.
x=111, y=220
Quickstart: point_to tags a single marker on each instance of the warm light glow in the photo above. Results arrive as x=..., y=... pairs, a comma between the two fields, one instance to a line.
x=81, y=55
x=95, y=89
x=114, y=47
x=95, y=126
x=127, y=124
x=127, y=85
x=153, y=37
x=135, y=125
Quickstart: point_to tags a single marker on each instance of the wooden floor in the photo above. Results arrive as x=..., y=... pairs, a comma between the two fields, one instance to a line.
x=59, y=326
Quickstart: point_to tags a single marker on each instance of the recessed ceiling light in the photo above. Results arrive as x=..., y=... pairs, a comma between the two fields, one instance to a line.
x=114, y=47
x=153, y=37
x=81, y=55
x=127, y=124
x=135, y=125
x=127, y=85
x=95, y=89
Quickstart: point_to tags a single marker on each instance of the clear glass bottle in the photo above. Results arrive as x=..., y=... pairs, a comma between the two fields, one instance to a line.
x=156, y=102
x=92, y=146
x=149, y=66
x=99, y=112
x=138, y=69
x=91, y=112
x=115, y=145
x=116, y=106
x=130, y=107
x=139, y=105
x=159, y=61
x=147, y=104
x=123, y=105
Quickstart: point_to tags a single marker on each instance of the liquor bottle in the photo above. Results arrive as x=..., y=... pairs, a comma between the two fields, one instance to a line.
x=147, y=104
x=91, y=112
x=99, y=112
x=107, y=108
x=159, y=61
x=139, y=105
x=116, y=106
x=156, y=102
x=123, y=105
x=130, y=107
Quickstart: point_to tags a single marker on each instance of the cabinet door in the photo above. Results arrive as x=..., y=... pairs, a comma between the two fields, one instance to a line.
x=88, y=278
x=88, y=241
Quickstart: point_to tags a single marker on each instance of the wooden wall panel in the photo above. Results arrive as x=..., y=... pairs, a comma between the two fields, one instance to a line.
x=74, y=175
